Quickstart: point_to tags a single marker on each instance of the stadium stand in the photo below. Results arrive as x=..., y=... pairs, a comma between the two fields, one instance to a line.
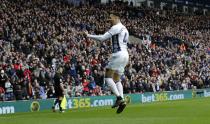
x=39, y=37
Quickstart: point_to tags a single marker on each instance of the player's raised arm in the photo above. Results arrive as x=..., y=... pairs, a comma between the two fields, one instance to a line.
x=103, y=37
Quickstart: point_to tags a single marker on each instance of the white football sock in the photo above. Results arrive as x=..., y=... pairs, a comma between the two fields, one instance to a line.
x=112, y=85
x=120, y=88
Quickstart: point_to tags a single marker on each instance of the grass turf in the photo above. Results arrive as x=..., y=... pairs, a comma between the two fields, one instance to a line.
x=192, y=111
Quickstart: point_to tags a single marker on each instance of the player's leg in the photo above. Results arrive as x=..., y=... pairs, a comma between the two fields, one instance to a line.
x=117, y=80
x=119, y=99
x=59, y=101
x=110, y=82
x=110, y=70
x=117, y=63
x=54, y=104
x=117, y=75
x=122, y=103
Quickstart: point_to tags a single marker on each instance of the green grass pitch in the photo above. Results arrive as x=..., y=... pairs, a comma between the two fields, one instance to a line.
x=192, y=111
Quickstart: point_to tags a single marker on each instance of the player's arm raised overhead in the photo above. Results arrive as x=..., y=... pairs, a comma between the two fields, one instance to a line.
x=103, y=37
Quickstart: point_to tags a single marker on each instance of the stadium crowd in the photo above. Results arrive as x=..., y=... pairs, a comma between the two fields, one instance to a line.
x=40, y=37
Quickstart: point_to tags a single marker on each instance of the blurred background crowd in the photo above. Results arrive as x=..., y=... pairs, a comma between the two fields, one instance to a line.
x=40, y=37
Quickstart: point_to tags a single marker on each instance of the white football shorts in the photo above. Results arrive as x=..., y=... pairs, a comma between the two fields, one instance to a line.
x=118, y=61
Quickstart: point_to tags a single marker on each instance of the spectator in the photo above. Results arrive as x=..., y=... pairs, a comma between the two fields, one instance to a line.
x=3, y=79
x=8, y=91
